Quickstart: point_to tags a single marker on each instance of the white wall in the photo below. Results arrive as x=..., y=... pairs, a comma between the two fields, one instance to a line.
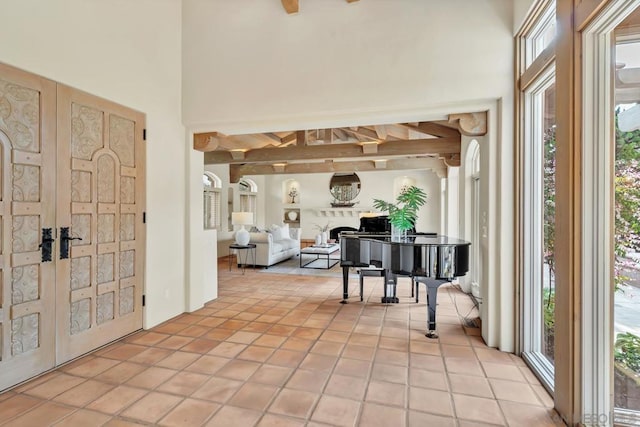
x=250, y=67
x=521, y=9
x=314, y=194
x=248, y=61
x=128, y=52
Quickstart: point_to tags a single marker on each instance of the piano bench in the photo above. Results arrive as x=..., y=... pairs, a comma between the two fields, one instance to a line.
x=368, y=272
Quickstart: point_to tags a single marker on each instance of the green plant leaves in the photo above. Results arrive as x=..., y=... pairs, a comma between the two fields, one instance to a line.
x=627, y=350
x=404, y=212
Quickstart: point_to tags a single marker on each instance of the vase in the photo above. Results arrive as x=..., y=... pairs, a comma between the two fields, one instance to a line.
x=398, y=234
x=318, y=239
x=324, y=236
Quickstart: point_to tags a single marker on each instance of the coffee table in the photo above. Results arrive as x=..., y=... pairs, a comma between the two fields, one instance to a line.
x=320, y=252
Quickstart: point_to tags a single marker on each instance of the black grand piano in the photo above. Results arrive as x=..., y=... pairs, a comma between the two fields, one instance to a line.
x=426, y=258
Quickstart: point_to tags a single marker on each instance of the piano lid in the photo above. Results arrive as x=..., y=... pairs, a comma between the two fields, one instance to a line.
x=412, y=239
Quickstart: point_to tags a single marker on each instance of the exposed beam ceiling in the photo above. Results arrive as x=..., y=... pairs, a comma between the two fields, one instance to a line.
x=414, y=147
x=237, y=171
x=371, y=147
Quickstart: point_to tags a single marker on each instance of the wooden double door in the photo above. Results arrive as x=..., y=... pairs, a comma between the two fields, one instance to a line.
x=71, y=223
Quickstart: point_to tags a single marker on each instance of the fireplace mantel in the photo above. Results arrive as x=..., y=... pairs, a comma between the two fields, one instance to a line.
x=342, y=212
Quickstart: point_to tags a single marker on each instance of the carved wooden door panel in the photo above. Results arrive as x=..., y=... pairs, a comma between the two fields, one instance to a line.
x=27, y=201
x=100, y=208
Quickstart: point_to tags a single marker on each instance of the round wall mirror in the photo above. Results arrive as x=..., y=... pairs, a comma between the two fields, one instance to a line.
x=344, y=187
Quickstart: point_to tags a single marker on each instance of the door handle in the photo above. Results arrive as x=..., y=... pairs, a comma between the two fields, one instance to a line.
x=64, y=242
x=46, y=245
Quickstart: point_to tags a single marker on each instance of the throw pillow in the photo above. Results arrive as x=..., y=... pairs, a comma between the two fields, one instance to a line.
x=280, y=231
x=284, y=232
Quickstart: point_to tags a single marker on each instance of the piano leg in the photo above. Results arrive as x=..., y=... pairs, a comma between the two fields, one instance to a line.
x=432, y=296
x=345, y=285
x=390, y=281
x=432, y=301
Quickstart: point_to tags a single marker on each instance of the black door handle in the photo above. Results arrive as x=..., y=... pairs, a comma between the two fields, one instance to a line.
x=46, y=245
x=64, y=242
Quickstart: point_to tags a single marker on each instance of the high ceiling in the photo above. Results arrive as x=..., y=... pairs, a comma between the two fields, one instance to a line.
x=433, y=144
x=416, y=145
x=293, y=6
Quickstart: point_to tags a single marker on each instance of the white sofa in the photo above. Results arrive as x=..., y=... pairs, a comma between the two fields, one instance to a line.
x=273, y=247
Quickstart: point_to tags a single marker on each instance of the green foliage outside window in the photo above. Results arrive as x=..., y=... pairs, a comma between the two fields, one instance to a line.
x=627, y=227
x=627, y=201
x=627, y=351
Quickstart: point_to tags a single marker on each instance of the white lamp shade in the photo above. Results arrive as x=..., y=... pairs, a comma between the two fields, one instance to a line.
x=242, y=219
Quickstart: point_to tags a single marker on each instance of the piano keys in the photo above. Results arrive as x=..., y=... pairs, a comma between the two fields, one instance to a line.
x=430, y=259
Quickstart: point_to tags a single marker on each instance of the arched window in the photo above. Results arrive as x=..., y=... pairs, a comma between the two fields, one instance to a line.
x=212, y=185
x=248, y=196
x=475, y=217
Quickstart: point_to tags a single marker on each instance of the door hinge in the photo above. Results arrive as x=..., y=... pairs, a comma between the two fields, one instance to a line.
x=144, y=300
x=144, y=217
x=144, y=134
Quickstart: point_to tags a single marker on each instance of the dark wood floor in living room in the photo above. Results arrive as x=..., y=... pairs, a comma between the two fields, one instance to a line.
x=280, y=350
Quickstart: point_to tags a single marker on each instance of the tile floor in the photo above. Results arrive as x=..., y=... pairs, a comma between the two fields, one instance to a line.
x=279, y=350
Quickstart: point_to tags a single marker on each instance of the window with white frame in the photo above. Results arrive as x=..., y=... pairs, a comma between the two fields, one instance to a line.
x=611, y=215
x=539, y=227
x=542, y=33
x=212, y=185
x=625, y=167
x=537, y=201
x=248, y=196
x=476, y=266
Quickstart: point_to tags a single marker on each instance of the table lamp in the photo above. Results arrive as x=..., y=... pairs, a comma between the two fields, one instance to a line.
x=242, y=219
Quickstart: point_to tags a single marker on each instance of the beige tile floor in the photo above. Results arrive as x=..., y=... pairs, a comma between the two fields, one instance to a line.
x=279, y=350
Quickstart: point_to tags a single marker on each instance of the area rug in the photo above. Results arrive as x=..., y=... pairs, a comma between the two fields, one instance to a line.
x=292, y=266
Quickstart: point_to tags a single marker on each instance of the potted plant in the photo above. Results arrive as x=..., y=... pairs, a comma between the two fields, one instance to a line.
x=404, y=212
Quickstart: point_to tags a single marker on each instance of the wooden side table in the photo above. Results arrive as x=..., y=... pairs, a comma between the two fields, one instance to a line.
x=246, y=249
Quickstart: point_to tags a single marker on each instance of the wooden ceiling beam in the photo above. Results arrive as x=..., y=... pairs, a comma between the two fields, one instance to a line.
x=341, y=134
x=273, y=137
x=362, y=131
x=289, y=138
x=237, y=171
x=451, y=159
x=351, y=1
x=470, y=124
x=434, y=129
x=291, y=6
x=237, y=154
x=301, y=138
x=207, y=141
x=370, y=147
x=381, y=132
x=328, y=136
x=414, y=147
